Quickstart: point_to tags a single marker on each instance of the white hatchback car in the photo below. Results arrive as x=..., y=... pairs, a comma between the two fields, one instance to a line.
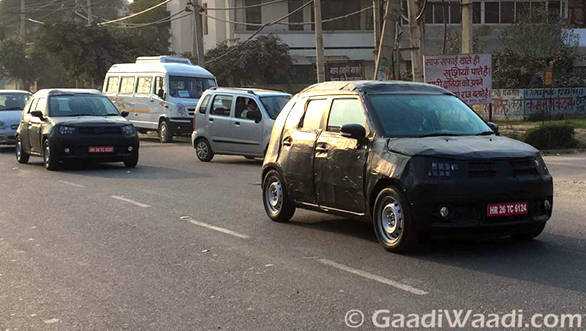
x=235, y=121
x=11, y=104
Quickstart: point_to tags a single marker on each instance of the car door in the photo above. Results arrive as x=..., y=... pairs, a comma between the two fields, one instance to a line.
x=339, y=161
x=23, y=128
x=35, y=126
x=246, y=132
x=142, y=98
x=220, y=123
x=303, y=126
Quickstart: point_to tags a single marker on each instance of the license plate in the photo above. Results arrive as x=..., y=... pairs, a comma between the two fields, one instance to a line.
x=507, y=208
x=101, y=149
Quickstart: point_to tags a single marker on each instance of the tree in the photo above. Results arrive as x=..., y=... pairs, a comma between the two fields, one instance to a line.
x=257, y=62
x=155, y=34
x=14, y=62
x=529, y=47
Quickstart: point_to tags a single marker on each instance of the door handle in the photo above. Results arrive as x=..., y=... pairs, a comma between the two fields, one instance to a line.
x=210, y=119
x=321, y=147
x=237, y=123
x=287, y=141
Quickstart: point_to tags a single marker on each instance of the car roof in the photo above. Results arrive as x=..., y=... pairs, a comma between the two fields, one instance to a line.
x=247, y=90
x=374, y=86
x=14, y=91
x=53, y=92
x=177, y=69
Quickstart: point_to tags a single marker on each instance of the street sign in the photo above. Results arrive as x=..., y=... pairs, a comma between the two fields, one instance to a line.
x=351, y=70
x=469, y=76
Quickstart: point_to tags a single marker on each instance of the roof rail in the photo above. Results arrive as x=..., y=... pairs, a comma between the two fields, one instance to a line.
x=162, y=59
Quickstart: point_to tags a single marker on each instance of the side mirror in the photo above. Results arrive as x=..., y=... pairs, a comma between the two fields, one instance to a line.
x=124, y=113
x=38, y=113
x=494, y=127
x=355, y=131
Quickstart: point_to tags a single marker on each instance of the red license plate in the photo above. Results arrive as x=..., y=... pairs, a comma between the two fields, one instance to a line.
x=101, y=149
x=507, y=209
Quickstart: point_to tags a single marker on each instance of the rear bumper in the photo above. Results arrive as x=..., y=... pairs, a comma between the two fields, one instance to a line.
x=467, y=202
x=78, y=147
x=180, y=126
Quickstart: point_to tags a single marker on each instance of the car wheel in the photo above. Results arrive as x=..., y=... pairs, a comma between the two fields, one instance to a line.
x=278, y=205
x=51, y=162
x=530, y=232
x=164, y=133
x=392, y=221
x=21, y=155
x=131, y=161
x=203, y=150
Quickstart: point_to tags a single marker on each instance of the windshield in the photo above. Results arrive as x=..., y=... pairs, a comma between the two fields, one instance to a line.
x=81, y=105
x=13, y=101
x=189, y=87
x=426, y=115
x=274, y=104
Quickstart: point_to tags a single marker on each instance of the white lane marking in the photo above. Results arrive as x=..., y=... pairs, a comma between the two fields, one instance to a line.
x=374, y=277
x=217, y=228
x=136, y=203
x=71, y=184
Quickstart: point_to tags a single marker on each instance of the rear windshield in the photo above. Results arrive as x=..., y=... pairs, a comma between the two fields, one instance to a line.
x=13, y=101
x=81, y=105
x=189, y=87
x=274, y=104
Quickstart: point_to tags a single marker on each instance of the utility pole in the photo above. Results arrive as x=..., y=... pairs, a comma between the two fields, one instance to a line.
x=386, y=58
x=466, y=26
x=319, y=43
x=89, y=12
x=376, y=22
x=416, y=40
x=197, y=50
x=22, y=31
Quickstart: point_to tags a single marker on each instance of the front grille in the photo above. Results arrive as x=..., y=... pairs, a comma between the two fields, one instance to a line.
x=191, y=111
x=523, y=167
x=481, y=169
x=14, y=126
x=98, y=130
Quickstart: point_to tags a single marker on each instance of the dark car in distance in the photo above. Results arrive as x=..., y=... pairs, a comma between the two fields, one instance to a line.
x=68, y=124
x=411, y=158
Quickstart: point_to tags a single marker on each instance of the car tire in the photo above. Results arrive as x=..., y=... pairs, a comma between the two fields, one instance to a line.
x=530, y=232
x=203, y=150
x=392, y=222
x=278, y=204
x=49, y=159
x=21, y=155
x=131, y=162
x=165, y=134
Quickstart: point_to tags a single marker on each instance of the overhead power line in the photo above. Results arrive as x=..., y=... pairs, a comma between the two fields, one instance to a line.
x=251, y=6
x=135, y=14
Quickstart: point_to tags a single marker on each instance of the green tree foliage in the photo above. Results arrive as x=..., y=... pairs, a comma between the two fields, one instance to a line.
x=257, y=62
x=528, y=48
x=158, y=33
x=13, y=60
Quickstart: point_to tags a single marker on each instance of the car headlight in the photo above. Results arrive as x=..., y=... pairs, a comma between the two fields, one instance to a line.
x=66, y=130
x=443, y=168
x=2, y=125
x=181, y=110
x=540, y=165
x=128, y=130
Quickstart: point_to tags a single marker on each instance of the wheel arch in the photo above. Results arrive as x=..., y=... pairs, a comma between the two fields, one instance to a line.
x=379, y=186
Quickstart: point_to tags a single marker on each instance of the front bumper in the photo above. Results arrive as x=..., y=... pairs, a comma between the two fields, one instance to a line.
x=78, y=147
x=467, y=199
x=180, y=125
x=8, y=139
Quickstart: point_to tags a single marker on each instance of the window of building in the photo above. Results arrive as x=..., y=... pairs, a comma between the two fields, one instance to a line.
x=253, y=14
x=221, y=105
x=144, y=85
x=127, y=85
x=537, y=9
x=297, y=17
x=455, y=13
x=476, y=13
x=345, y=111
x=440, y=13
x=521, y=11
x=112, y=85
x=507, y=12
x=314, y=114
x=336, y=8
x=491, y=12
x=576, y=11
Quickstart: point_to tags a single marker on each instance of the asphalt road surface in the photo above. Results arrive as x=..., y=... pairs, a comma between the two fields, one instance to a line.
x=180, y=244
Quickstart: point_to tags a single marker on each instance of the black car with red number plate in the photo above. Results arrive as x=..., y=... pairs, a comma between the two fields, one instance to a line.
x=411, y=158
x=67, y=124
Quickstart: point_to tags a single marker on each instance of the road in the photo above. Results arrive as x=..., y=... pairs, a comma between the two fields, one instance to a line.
x=180, y=244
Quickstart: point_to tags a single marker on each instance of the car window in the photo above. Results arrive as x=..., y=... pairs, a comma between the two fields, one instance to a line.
x=112, y=85
x=345, y=111
x=13, y=101
x=32, y=105
x=204, y=105
x=41, y=105
x=160, y=89
x=144, y=85
x=127, y=85
x=221, y=105
x=314, y=114
x=246, y=108
x=295, y=115
x=274, y=103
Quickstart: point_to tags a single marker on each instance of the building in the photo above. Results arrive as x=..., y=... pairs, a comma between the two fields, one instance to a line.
x=349, y=40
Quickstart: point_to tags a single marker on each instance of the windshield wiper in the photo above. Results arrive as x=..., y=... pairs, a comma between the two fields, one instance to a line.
x=83, y=115
x=438, y=134
x=485, y=133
